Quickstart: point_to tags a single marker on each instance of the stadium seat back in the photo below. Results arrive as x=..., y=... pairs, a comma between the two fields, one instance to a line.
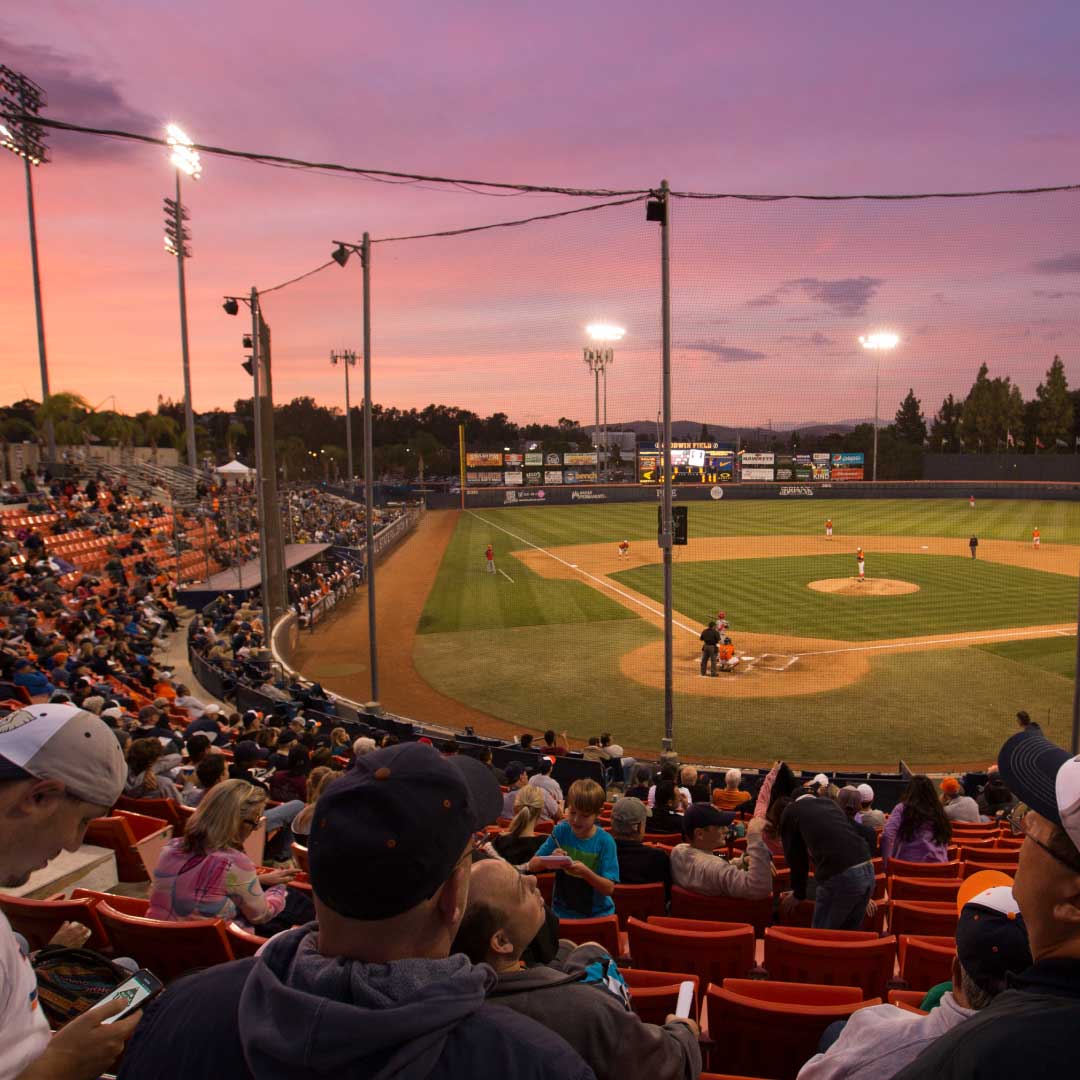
x=923, y=917
x=655, y=994
x=604, y=930
x=129, y=905
x=712, y=955
x=830, y=957
x=925, y=960
x=903, y=868
x=973, y=867
x=38, y=920
x=243, y=942
x=987, y=854
x=941, y=890
x=690, y=905
x=165, y=809
x=168, y=949
x=546, y=884
x=300, y=856
x=135, y=857
x=907, y=999
x=639, y=902
x=671, y=839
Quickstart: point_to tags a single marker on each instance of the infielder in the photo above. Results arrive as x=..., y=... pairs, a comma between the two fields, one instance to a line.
x=828, y=528
x=489, y=558
x=860, y=559
x=1035, y=537
x=624, y=549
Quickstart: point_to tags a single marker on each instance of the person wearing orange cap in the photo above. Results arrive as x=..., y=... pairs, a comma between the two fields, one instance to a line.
x=991, y=945
x=957, y=805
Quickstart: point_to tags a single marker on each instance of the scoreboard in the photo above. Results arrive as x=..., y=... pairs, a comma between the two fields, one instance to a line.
x=691, y=463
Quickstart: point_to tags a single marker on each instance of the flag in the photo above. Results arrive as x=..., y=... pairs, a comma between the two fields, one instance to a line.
x=1009, y=440
x=1039, y=443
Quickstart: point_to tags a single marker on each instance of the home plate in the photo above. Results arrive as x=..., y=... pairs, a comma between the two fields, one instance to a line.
x=573, y=566
x=926, y=547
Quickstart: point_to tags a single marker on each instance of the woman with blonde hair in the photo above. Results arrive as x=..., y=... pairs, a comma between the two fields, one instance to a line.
x=519, y=843
x=318, y=778
x=205, y=874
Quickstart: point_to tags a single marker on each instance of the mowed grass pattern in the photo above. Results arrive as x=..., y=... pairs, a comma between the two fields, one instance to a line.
x=956, y=594
x=1057, y=655
x=466, y=597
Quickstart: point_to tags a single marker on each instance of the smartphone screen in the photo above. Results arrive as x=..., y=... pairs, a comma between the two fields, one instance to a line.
x=136, y=991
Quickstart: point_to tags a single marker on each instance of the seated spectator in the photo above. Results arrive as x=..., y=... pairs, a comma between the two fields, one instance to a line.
x=729, y=797
x=1030, y=1029
x=517, y=777
x=525, y=741
x=868, y=815
x=60, y=768
x=147, y=765
x=207, y=723
x=291, y=783
x=317, y=781
x=957, y=805
x=186, y=700
x=664, y=817
x=484, y=756
x=520, y=842
x=638, y=864
x=640, y=783
x=339, y=743
x=817, y=829
x=995, y=800
x=917, y=830
x=205, y=874
x=504, y=913
x=669, y=771
x=362, y=745
x=1025, y=721
x=33, y=681
x=612, y=750
x=583, y=889
x=694, y=865
x=209, y=772
x=558, y=747
x=692, y=781
x=593, y=751
x=245, y=758
x=374, y=989
x=543, y=779
x=851, y=803
x=991, y=945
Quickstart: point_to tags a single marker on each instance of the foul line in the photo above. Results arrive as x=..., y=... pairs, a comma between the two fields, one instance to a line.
x=584, y=573
x=990, y=635
x=506, y=575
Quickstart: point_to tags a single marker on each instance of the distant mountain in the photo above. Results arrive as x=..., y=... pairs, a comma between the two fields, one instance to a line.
x=689, y=430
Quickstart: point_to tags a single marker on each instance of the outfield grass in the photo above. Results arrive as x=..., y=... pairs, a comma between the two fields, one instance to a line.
x=1056, y=655
x=771, y=595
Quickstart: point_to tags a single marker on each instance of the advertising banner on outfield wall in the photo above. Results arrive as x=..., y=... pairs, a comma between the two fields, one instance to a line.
x=513, y=461
x=552, y=458
x=849, y=461
x=579, y=476
x=785, y=467
x=522, y=498
x=484, y=457
x=841, y=473
x=748, y=458
x=483, y=477
x=534, y=476
x=756, y=472
x=553, y=476
x=579, y=459
x=511, y=478
x=534, y=458
x=819, y=471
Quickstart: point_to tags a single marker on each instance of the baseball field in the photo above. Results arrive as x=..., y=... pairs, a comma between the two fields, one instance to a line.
x=927, y=659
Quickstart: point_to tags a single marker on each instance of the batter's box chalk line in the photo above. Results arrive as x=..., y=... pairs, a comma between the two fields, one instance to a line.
x=775, y=661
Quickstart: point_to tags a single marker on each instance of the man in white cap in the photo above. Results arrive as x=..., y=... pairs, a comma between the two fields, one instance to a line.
x=1030, y=1030
x=60, y=767
x=991, y=943
x=868, y=815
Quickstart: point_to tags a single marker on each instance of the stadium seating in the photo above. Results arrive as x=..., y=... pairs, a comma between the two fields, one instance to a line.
x=38, y=920
x=772, y=1028
x=164, y=809
x=925, y=960
x=941, y=890
x=300, y=856
x=935, y=919
x=909, y=1000
x=129, y=905
x=603, y=930
x=711, y=950
x=654, y=994
x=168, y=949
x=638, y=901
x=135, y=839
x=691, y=905
x=830, y=957
x=902, y=868
x=546, y=884
x=973, y=867
x=243, y=942
x=989, y=855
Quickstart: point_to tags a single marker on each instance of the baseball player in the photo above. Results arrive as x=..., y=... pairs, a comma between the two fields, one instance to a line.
x=971, y=502
x=828, y=528
x=1035, y=536
x=721, y=622
x=489, y=557
x=860, y=558
x=624, y=549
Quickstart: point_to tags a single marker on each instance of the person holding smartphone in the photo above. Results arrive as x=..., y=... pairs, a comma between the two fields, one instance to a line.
x=60, y=767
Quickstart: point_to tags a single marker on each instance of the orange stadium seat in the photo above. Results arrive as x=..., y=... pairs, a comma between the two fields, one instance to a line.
x=654, y=994
x=691, y=905
x=907, y=999
x=830, y=957
x=927, y=917
x=243, y=942
x=902, y=868
x=639, y=902
x=942, y=890
x=925, y=960
x=972, y=867
x=986, y=854
x=38, y=920
x=710, y=950
x=136, y=839
x=604, y=930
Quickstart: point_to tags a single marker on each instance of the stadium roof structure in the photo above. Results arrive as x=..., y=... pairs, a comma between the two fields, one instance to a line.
x=234, y=468
x=241, y=580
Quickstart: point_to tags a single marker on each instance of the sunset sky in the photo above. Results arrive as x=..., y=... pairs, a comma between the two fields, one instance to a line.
x=769, y=298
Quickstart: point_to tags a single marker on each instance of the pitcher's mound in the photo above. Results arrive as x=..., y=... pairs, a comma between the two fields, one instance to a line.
x=847, y=586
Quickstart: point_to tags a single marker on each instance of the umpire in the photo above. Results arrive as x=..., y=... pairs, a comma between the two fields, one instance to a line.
x=973, y=543
x=710, y=647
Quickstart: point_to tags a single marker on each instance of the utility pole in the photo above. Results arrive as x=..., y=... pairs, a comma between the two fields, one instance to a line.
x=347, y=359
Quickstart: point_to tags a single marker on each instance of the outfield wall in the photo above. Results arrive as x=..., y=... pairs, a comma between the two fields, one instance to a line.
x=487, y=498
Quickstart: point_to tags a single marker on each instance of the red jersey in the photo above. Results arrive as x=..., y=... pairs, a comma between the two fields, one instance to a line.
x=490, y=553
x=625, y=545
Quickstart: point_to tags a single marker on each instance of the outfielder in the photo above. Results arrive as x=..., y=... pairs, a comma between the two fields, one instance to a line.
x=489, y=558
x=1035, y=536
x=624, y=549
x=860, y=558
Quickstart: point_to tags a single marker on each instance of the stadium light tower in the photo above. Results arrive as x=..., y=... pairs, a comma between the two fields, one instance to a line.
x=598, y=359
x=19, y=98
x=186, y=162
x=878, y=342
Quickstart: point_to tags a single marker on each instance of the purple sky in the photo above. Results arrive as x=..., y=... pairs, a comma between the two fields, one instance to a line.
x=769, y=298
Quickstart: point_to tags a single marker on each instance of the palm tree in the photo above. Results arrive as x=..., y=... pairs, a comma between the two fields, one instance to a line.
x=67, y=413
x=233, y=432
x=161, y=428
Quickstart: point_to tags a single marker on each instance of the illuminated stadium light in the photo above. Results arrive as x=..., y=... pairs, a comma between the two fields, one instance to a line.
x=880, y=339
x=605, y=332
x=183, y=156
x=878, y=342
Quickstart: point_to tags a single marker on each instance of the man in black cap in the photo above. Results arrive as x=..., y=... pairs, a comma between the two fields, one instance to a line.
x=372, y=989
x=710, y=649
x=694, y=865
x=1030, y=1030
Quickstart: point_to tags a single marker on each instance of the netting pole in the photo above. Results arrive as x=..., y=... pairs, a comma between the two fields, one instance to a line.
x=1075, y=744
x=260, y=468
x=665, y=533
x=369, y=465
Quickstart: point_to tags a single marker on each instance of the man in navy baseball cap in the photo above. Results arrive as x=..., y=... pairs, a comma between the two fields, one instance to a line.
x=371, y=989
x=1031, y=1028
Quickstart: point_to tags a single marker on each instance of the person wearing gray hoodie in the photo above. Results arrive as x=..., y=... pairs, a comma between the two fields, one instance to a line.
x=372, y=989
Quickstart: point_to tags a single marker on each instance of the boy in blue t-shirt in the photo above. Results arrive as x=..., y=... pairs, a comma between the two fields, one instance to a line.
x=583, y=889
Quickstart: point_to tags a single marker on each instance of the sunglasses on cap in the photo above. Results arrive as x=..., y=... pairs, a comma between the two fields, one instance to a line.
x=1020, y=821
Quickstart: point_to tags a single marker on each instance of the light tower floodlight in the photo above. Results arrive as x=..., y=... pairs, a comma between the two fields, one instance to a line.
x=598, y=359
x=878, y=342
x=183, y=156
x=605, y=332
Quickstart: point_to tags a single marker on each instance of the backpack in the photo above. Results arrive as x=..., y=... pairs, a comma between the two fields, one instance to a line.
x=70, y=981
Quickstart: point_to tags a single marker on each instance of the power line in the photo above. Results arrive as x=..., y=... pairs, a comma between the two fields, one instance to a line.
x=885, y=198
